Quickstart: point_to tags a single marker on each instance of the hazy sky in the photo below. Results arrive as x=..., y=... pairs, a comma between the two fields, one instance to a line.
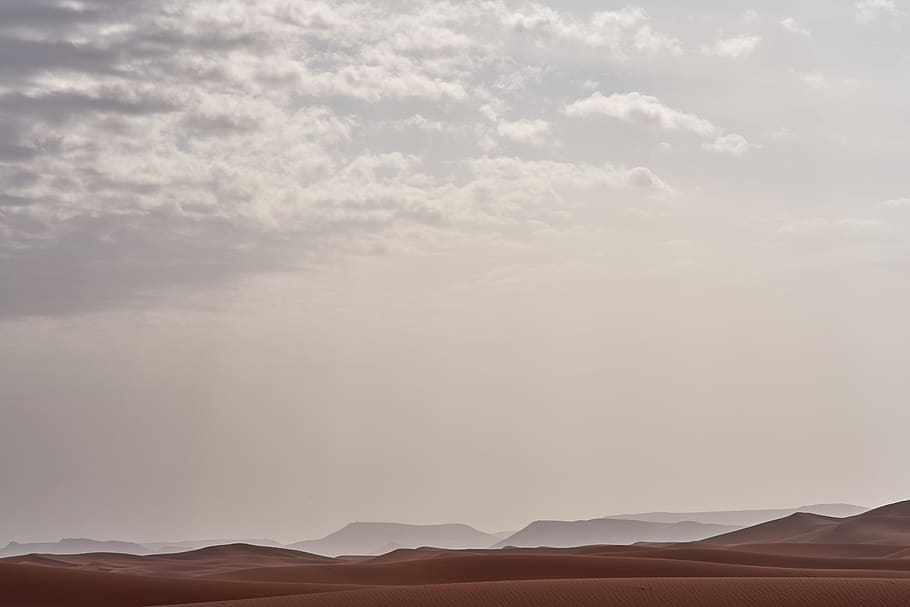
x=270, y=267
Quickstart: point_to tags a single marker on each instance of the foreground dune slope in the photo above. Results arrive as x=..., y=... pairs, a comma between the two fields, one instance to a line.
x=500, y=567
x=559, y=579
x=36, y=586
x=645, y=592
x=804, y=560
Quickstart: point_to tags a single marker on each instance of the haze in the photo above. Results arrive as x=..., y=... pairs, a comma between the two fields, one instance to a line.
x=269, y=268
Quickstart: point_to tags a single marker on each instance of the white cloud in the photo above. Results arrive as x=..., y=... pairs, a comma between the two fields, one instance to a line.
x=792, y=25
x=642, y=178
x=734, y=48
x=528, y=132
x=641, y=109
x=519, y=187
x=421, y=123
x=732, y=144
x=868, y=11
x=623, y=33
x=649, y=111
x=897, y=203
x=327, y=123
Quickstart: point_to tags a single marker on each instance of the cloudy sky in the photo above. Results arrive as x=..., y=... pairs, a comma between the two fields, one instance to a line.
x=267, y=268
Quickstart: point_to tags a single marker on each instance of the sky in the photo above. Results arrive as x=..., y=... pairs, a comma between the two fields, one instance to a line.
x=269, y=268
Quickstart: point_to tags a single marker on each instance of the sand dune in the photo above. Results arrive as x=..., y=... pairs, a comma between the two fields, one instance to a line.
x=504, y=567
x=36, y=586
x=73, y=546
x=485, y=577
x=212, y=560
x=642, y=592
x=887, y=526
x=184, y=545
x=813, y=571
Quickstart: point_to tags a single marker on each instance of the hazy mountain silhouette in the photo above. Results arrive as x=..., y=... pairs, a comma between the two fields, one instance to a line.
x=742, y=518
x=567, y=534
x=888, y=525
x=379, y=538
x=73, y=546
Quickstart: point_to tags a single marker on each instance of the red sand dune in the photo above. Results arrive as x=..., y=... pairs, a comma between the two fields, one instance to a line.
x=820, y=568
x=617, y=593
x=217, y=559
x=689, y=576
x=887, y=526
x=500, y=567
x=36, y=586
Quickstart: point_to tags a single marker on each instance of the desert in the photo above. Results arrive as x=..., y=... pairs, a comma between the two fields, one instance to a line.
x=801, y=560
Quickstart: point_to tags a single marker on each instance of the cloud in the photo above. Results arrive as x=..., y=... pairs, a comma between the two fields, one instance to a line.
x=149, y=145
x=421, y=123
x=623, y=33
x=735, y=48
x=792, y=25
x=645, y=179
x=897, y=203
x=732, y=144
x=649, y=111
x=528, y=132
x=522, y=189
x=868, y=11
x=643, y=110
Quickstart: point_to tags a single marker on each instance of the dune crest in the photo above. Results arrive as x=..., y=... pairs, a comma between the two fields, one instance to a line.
x=800, y=560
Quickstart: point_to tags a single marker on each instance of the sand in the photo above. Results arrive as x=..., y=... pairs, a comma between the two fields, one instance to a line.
x=858, y=561
x=731, y=592
x=652, y=577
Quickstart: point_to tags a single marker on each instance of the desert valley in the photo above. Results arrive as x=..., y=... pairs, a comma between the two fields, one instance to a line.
x=802, y=559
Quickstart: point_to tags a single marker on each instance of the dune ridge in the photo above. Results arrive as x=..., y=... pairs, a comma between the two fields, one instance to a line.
x=888, y=525
x=801, y=560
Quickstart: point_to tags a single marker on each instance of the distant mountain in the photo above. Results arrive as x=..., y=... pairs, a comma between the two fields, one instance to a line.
x=569, y=534
x=887, y=526
x=73, y=546
x=380, y=538
x=742, y=518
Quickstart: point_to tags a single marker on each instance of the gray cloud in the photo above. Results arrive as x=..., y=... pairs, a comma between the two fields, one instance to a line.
x=322, y=128
x=58, y=107
x=25, y=57
x=122, y=113
x=375, y=229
